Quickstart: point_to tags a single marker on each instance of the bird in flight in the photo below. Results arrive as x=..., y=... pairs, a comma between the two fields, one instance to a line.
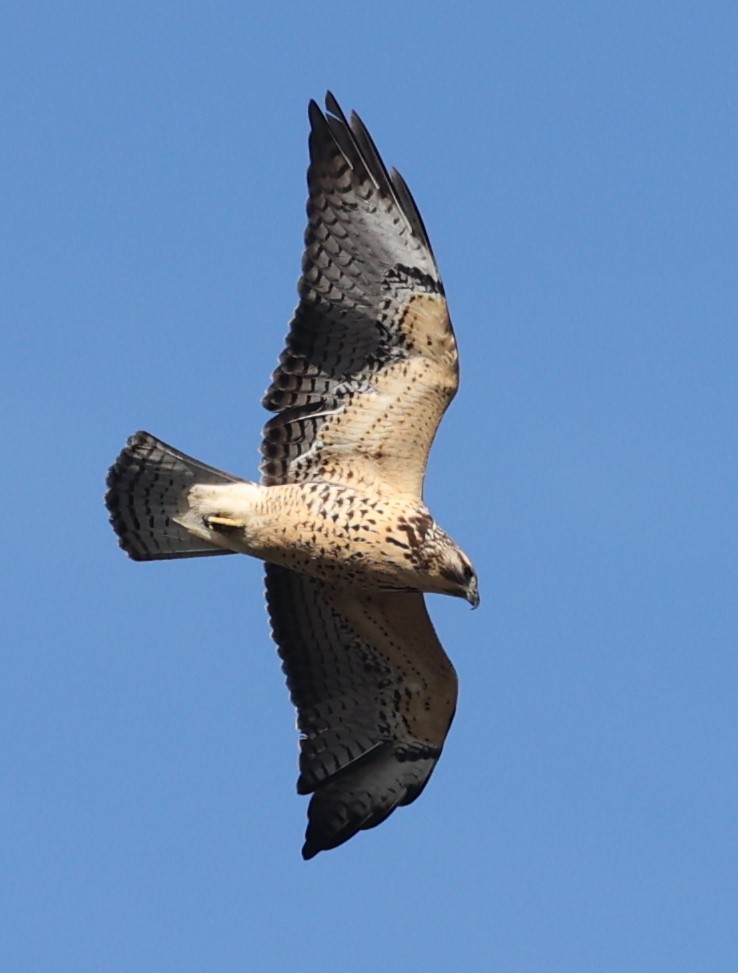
x=369, y=367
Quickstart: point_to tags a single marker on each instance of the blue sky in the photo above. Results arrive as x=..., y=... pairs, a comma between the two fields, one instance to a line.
x=575, y=164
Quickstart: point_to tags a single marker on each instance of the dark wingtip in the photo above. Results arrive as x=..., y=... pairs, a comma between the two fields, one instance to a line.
x=331, y=104
x=309, y=851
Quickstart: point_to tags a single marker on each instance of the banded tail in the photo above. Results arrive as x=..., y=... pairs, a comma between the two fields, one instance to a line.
x=148, y=487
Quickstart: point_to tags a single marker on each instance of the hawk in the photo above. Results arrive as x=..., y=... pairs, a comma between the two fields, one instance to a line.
x=369, y=367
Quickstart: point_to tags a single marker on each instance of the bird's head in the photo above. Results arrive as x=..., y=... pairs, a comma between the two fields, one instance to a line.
x=459, y=576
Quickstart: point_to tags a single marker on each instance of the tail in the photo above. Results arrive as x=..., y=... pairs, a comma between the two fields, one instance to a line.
x=147, y=488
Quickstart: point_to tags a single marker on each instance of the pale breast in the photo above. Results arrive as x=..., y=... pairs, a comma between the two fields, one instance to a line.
x=336, y=533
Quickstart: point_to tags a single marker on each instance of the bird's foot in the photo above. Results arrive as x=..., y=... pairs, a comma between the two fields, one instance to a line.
x=223, y=523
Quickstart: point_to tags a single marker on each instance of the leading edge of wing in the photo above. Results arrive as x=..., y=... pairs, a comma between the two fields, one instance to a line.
x=375, y=695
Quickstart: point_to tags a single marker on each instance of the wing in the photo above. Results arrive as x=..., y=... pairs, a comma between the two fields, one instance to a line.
x=370, y=363
x=375, y=695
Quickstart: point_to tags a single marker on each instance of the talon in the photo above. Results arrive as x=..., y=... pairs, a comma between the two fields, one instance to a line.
x=227, y=522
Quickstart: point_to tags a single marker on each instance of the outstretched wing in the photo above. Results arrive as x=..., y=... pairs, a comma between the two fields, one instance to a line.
x=370, y=363
x=375, y=695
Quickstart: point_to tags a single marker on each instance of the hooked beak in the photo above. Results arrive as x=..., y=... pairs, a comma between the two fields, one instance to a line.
x=472, y=594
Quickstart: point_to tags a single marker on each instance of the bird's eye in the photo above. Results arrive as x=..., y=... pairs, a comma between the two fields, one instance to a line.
x=468, y=573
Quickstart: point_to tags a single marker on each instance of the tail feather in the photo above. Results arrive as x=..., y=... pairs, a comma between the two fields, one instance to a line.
x=147, y=488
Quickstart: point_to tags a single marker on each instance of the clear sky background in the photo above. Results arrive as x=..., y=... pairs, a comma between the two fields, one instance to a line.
x=576, y=166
